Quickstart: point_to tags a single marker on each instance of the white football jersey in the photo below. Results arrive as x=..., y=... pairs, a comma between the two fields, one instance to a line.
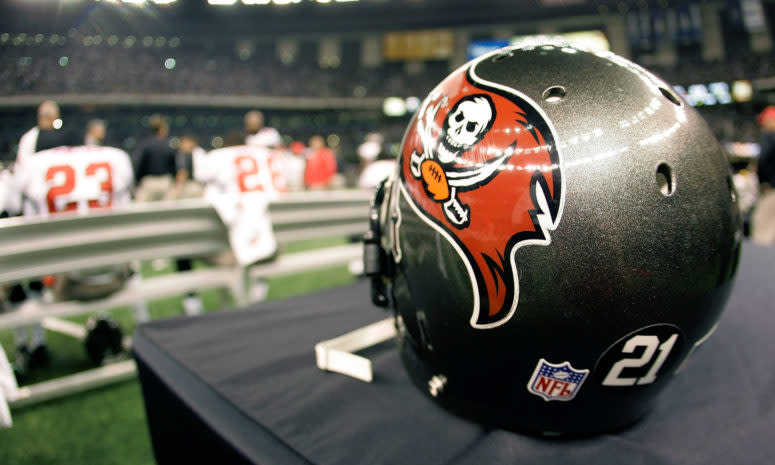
x=240, y=182
x=10, y=199
x=75, y=179
x=242, y=171
x=265, y=137
x=27, y=144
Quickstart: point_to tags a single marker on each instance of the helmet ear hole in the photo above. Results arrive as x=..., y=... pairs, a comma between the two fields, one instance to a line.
x=554, y=94
x=670, y=96
x=665, y=180
x=501, y=56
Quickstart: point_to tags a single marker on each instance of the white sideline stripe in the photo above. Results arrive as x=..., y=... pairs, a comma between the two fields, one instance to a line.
x=65, y=327
x=73, y=384
x=337, y=354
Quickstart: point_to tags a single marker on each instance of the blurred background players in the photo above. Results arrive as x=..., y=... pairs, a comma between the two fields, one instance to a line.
x=9, y=196
x=47, y=134
x=763, y=222
x=375, y=172
x=96, y=130
x=321, y=164
x=376, y=164
x=370, y=149
x=75, y=180
x=257, y=134
x=154, y=163
x=293, y=165
x=240, y=181
x=188, y=160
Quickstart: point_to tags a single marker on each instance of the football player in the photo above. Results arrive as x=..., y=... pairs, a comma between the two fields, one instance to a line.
x=240, y=181
x=257, y=134
x=9, y=197
x=73, y=180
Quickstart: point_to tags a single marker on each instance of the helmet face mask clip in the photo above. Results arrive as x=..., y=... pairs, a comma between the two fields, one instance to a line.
x=560, y=234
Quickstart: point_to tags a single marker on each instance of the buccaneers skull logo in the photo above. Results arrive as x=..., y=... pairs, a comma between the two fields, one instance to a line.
x=481, y=166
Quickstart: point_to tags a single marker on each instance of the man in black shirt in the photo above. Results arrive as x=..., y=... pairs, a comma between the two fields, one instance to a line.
x=154, y=163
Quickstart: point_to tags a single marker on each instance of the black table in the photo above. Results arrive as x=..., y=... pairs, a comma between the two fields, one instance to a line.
x=242, y=387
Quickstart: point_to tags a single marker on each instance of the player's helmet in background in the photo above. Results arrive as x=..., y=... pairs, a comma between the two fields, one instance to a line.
x=561, y=234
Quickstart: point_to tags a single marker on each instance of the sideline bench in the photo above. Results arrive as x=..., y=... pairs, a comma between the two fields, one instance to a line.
x=175, y=229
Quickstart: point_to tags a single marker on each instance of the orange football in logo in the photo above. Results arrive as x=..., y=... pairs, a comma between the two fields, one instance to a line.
x=435, y=179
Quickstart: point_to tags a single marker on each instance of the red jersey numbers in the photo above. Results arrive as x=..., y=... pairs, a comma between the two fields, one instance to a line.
x=66, y=187
x=102, y=173
x=249, y=174
x=61, y=178
x=277, y=168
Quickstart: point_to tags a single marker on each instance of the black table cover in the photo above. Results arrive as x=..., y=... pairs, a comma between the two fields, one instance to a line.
x=242, y=387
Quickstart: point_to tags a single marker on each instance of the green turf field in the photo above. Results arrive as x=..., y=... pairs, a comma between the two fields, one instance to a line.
x=107, y=426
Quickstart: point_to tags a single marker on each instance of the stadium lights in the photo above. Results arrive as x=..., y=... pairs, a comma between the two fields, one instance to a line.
x=221, y=2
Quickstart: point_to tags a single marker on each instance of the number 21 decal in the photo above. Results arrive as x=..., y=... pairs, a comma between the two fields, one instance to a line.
x=639, y=358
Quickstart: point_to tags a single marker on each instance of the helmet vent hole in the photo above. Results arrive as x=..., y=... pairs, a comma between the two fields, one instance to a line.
x=670, y=96
x=554, y=94
x=665, y=179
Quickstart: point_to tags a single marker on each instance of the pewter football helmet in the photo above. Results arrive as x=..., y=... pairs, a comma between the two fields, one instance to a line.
x=561, y=233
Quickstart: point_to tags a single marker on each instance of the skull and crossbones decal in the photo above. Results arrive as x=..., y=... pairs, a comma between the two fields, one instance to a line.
x=480, y=165
x=440, y=165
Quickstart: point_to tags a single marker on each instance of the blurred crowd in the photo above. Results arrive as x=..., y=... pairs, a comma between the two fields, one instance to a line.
x=187, y=70
x=223, y=68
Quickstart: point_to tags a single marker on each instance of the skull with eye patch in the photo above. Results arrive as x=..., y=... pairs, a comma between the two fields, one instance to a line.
x=465, y=125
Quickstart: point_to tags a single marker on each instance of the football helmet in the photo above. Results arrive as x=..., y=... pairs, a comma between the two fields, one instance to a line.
x=561, y=233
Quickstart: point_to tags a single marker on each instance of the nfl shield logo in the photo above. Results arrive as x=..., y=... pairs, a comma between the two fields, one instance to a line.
x=556, y=382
